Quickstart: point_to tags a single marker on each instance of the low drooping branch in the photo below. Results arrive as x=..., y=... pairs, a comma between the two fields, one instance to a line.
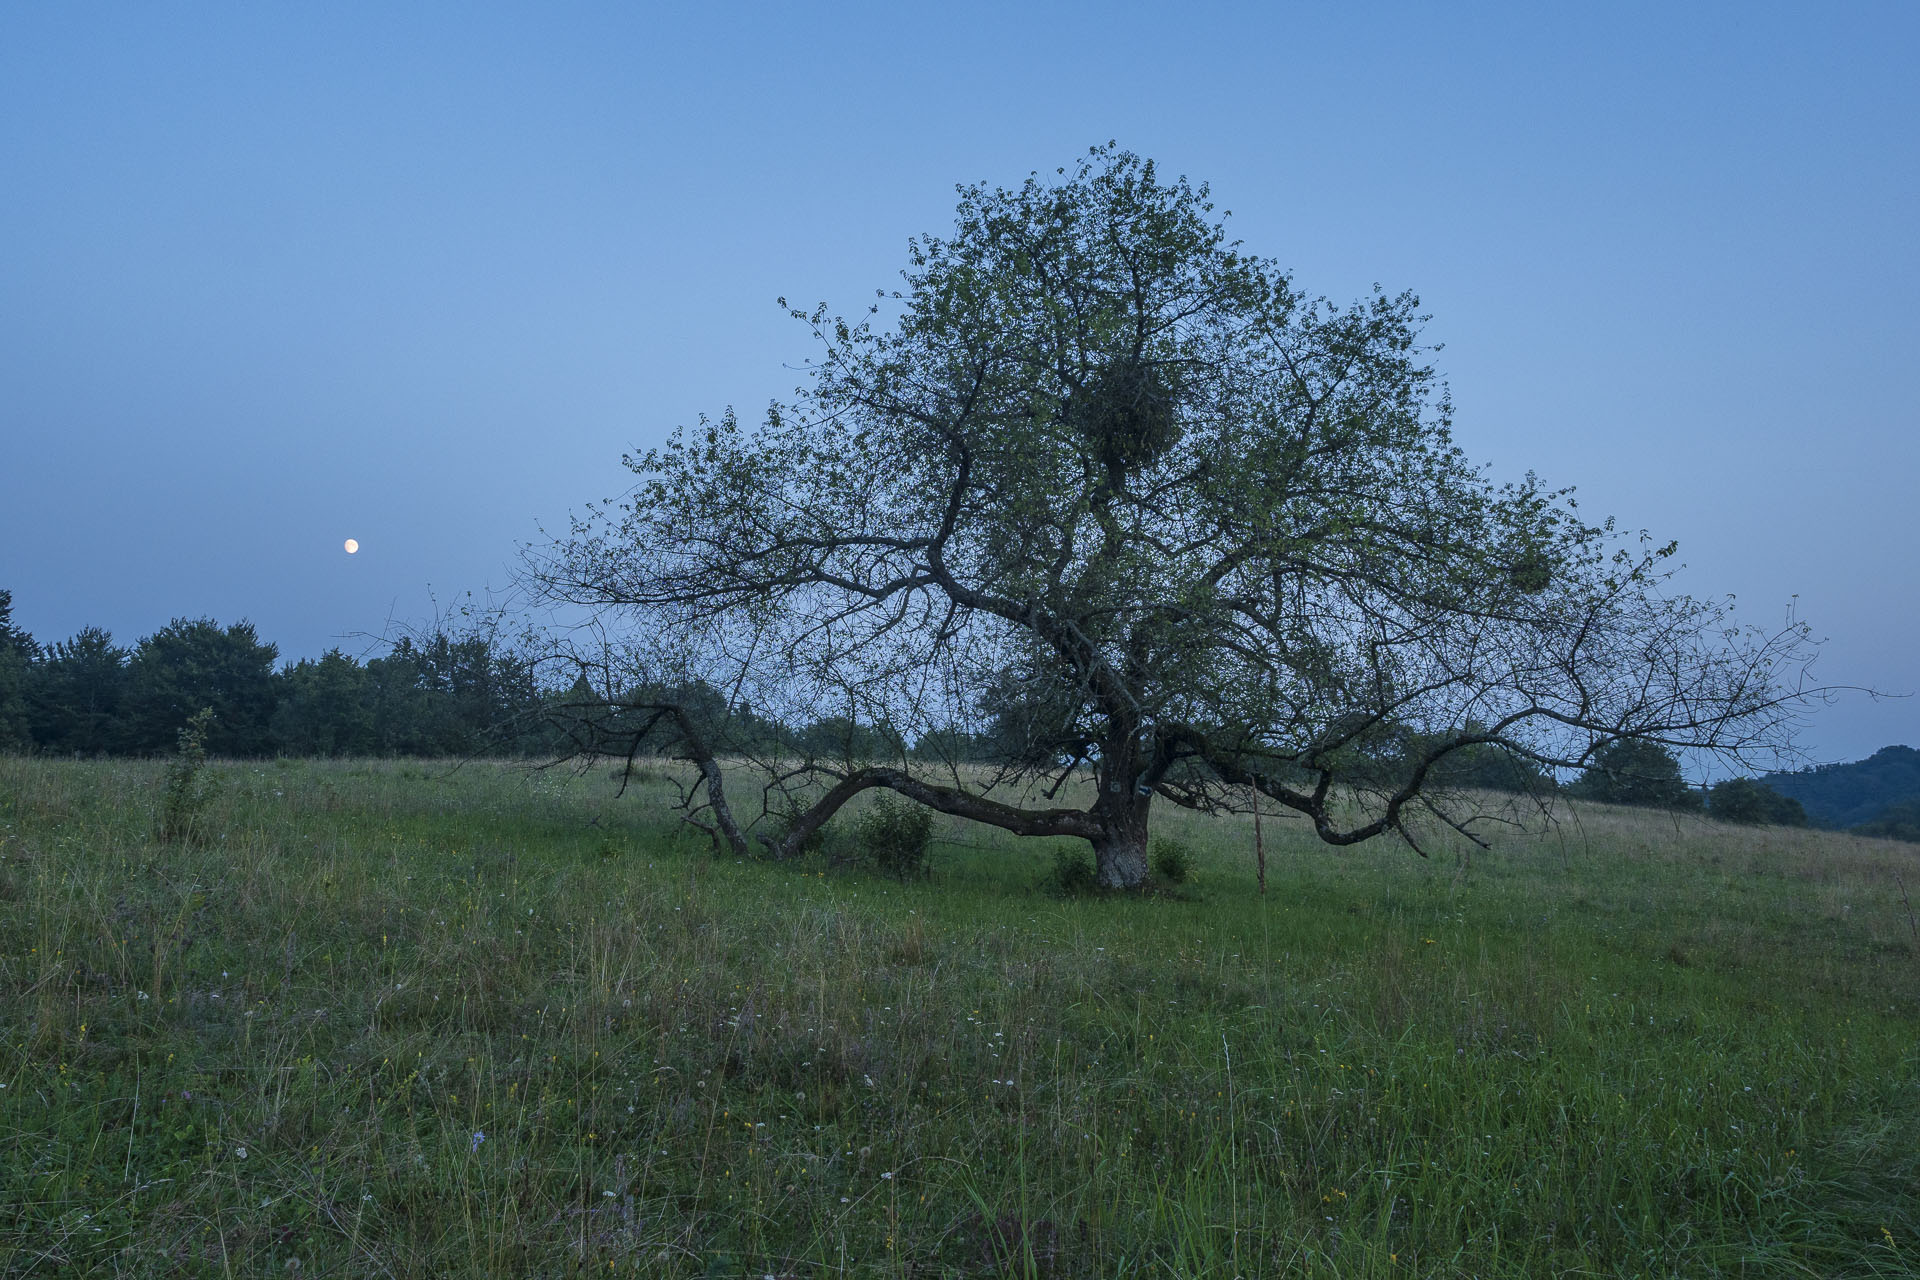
x=953, y=800
x=624, y=728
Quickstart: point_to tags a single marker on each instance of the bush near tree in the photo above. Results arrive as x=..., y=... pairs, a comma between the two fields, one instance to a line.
x=1634, y=772
x=1172, y=859
x=896, y=837
x=1754, y=803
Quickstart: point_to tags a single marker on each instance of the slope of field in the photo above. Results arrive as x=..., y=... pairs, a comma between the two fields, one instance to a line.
x=411, y=1020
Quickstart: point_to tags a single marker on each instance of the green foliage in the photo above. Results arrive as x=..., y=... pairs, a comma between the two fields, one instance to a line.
x=15, y=733
x=79, y=696
x=195, y=662
x=326, y=708
x=619, y=720
x=17, y=652
x=1032, y=718
x=1128, y=416
x=955, y=746
x=1635, y=772
x=12, y=638
x=1097, y=485
x=1172, y=858
x=1385, y=754
x=840, y=738
x=1844, y=795
x=1074, y=873
x=1895, y=822
x=896, y=836
x=1753, y=803
x=438, y=695
x=454, y=694
x=1487, y=766
x=188, y=787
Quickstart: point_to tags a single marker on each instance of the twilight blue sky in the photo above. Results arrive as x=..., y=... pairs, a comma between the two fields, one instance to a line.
x=276, y=276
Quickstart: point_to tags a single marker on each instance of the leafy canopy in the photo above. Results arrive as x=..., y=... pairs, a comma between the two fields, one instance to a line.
x=1100, y=481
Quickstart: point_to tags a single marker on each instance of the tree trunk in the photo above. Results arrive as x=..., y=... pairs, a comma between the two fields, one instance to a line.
x=1120, y=859
x=1120, y=850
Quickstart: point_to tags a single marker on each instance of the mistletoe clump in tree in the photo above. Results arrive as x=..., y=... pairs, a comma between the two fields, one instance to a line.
x=1101, y=489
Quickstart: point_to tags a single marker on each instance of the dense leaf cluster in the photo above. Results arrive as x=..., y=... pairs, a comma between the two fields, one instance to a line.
x=1753, y=803
x=1636, y=772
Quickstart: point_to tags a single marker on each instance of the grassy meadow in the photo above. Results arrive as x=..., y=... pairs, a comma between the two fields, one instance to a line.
x=411, y=1019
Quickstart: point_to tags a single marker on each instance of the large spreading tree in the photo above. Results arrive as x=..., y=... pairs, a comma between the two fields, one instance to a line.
x=1104, y=492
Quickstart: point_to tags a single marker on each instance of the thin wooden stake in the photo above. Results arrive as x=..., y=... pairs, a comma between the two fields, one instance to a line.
x=1259, y=843
x=1913, y=927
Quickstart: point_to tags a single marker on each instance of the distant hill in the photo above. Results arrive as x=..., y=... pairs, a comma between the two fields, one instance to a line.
x=1846, y=795
x=1899, y=822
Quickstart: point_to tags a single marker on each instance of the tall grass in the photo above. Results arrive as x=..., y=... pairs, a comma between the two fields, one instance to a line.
x=410, y=1019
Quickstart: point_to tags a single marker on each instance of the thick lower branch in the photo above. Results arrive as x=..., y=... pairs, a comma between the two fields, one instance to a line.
x=963, y=804
x=695, y=748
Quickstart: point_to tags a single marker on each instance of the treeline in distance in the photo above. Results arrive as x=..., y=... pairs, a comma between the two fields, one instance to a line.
x=433, y=695
x=442, y=694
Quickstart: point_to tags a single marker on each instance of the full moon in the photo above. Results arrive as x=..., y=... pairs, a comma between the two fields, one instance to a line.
x=352, y=546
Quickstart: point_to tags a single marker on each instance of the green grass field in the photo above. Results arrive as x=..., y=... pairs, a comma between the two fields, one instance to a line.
x=392, y=1019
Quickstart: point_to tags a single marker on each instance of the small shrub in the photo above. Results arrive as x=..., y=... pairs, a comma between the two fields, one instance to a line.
x=1074, y=873
x=1172, y=858
x=188, y=788
x=896, y=836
